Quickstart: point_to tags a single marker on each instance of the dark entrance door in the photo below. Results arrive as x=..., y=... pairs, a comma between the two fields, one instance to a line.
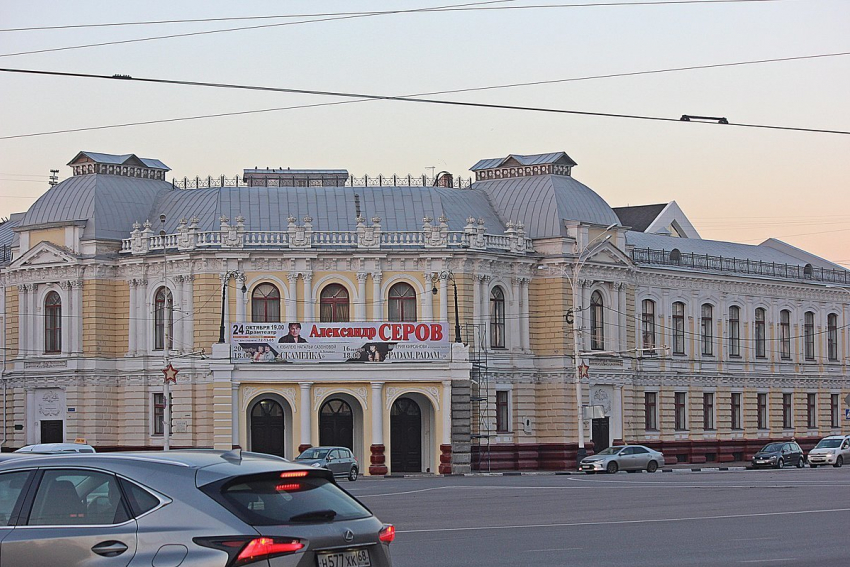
x=267, y=428
x=406, y=436
x=599, y=432
x=51, y=431
x=336, y=424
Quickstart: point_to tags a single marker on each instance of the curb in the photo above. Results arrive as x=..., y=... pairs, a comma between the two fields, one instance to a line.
x=558, y=473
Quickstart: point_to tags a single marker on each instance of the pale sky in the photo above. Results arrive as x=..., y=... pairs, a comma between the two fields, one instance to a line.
x=736, y=184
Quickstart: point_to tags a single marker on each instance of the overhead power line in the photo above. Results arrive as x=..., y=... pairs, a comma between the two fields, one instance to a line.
x=459, y=7
x=412, y=99
x=473, y=6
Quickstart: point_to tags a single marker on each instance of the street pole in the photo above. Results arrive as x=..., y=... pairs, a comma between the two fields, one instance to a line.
x=581, y=452
x=457, y=312
x=167, y=317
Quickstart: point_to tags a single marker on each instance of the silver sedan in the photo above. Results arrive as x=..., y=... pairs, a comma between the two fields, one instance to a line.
x=623, y=458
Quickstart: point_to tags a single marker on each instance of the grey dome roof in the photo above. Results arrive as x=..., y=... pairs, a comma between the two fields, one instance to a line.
x=332, y=208
x=543, y=202
x=107, y=204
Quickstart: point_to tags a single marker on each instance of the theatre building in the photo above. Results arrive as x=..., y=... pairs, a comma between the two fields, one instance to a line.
x=510, y=321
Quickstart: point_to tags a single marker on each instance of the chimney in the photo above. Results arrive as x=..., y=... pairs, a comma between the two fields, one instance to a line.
x=444, y=179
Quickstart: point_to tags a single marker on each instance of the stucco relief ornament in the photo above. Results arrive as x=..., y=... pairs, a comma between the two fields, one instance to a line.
x=231, y=236
x=300, y=236
x=436, y=236
x=49, y=406
x=600, y=397
x=368, y=236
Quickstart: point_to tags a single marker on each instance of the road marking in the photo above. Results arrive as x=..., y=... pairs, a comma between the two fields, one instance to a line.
x=769, y=560
x=554, y=549
x=626, y=522
x=401, y=493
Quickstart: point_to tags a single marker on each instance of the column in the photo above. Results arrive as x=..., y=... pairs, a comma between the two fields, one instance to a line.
x=476, y=300
x=514, y=316
x=241, y=297
x=189, y=312
x=178, y=315
x=445, y=466
x=141, y=317
x=526, y=313
x=622, y=318
x=377, y=297
x=360, y=305
x=67, y=318
x=292, y=302
x=428, y=298
x=36, y=326
x=444, y=296
x=304, y=409
x=131, y=346
x=23, y=319
x=309, y=307
x=377, y=461
x=617, y=413
x=236, y=416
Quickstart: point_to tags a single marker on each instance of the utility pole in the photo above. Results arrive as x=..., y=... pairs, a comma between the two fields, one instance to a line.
x=167, y=318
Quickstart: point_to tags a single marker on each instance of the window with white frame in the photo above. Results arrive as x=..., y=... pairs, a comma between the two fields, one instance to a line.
x=761, y=410
x=809, y=335
x=158, y=413
x=503, y=411
x=708, y=411
x=785, y=334
x=680, y=410
x=735, y=408
x=497, y=318
x=760, y=335
x=787, y=416
x=678, y=328
x=597, y=322
x=734, y=331
x=650, y=410
x=648, y=325
x=163, y=319
x=833, y=411
x=832, y=336
x=706, y=328
x=52, y=323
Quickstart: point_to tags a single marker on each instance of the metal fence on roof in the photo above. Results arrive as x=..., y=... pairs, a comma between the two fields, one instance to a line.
x=210, y=182
x=744, y=266
x=5, y=254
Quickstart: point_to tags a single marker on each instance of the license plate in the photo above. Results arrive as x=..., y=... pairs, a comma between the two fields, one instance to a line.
x=355, y=558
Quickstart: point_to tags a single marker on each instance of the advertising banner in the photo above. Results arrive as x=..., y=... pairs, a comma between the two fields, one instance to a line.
x=382, y=342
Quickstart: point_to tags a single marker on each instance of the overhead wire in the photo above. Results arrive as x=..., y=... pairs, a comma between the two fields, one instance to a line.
x=409, y=99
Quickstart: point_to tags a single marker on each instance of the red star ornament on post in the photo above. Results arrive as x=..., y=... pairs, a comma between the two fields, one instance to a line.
x=170, y=374
x=583, y=370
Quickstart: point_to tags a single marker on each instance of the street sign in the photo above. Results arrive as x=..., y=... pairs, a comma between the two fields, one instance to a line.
x=846, y=413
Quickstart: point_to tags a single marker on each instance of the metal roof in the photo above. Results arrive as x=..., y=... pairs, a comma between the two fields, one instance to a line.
x=120, y=159
x=543, y=202
x=533, y=159
x=639, y=217
x=710, y=247
x=107, y=204
x=6, y=232
x=332, y=208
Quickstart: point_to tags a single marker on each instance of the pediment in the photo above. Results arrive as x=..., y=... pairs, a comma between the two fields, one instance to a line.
x=45, y=254
x=611, y=255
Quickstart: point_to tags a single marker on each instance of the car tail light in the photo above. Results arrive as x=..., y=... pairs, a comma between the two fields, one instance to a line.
x=387, y=534
x=243, y=550
x=294, y=474
x=288, y=487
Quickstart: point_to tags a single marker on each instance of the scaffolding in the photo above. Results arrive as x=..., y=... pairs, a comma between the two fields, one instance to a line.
x=481, y=429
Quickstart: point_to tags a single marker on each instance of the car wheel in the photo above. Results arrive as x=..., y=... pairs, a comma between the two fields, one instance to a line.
x=780, y=464
x=800, y=463
x=839, y=461
x=352, y=474
x=652, y=466
x=612, y=467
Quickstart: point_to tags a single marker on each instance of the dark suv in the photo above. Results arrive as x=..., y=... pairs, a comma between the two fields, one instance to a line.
x=187, y=508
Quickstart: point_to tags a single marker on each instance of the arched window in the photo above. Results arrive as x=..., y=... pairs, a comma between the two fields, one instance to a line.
x=597, y=322
x=402, y=303
x=706, y=327
x=761, y=351
x=675, y=256
x=265, y=304
x=832, y=336
x=734, y=331
x=52, y=323
x=648, y=325
x=497, y=318
x=163, y=319
x=785, y=334
x=333, y=306
x=809, y=335
x=678, y=328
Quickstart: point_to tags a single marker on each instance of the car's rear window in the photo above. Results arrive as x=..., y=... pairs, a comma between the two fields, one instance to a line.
x=269, y=499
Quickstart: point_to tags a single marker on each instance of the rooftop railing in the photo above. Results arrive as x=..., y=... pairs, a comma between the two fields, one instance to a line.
x=5, y=254
x=268, y=180
x=744, y=266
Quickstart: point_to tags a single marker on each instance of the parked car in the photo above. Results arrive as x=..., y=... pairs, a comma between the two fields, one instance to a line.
x=623, y=458
x=779, y=454
x=339, y=460
x=51, y=448
x=833, y=450
x=192, y=508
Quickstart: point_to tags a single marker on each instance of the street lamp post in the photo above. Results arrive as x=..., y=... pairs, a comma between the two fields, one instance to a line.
x=167, y=318
x=583, y=255
x=225, y=280
x=451, y=277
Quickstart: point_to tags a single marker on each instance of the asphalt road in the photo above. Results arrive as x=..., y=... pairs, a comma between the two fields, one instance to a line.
x=785, y=517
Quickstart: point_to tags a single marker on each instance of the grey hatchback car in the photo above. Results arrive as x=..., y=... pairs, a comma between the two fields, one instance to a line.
x=339, y=460
x=186, y=508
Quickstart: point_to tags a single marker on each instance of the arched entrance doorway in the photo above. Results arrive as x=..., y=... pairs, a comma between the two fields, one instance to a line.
x=267, y=427
x=406, y=436
x=336, y=424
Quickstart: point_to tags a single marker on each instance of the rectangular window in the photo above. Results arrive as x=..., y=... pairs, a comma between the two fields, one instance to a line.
x=707, y=331
x=761, y=411
x=680, y=411
x=678, y=328
x=650, y=410
x=159, y=413
x=734, y=331
x=736, y=410
x=708, y=411
x=503, y=419
x=760, y=334
x=811, y=410
x=648, y=321
x=833, y=411
x=809, y=335
x=832, y=336
x=787, y=422
x=785, y=334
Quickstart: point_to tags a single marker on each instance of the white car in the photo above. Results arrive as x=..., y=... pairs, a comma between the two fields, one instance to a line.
x=832, y=450
x=53, y=448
